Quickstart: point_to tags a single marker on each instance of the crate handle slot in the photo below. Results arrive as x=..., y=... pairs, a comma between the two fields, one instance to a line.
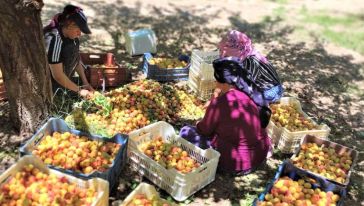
x=203, y=169
x=142, y=136
x=94, y=56
x=5, y=179
x=39, y=137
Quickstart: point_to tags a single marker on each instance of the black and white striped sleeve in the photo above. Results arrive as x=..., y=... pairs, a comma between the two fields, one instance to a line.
x=53, y=47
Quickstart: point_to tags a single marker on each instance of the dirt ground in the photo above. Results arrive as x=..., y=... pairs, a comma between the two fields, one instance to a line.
x=326, y=78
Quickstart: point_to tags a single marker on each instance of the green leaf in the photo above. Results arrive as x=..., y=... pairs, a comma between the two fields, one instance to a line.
x=26, y=202
x=106, y=155
x=106, y=166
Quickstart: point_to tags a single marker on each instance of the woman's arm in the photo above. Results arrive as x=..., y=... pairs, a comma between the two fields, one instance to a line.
x=217, y=92
x=61, y=77
x=63, y=80
x=208, y=124
x=81, y=72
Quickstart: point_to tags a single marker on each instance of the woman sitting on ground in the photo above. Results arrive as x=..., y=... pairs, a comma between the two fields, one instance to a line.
x=231, y=124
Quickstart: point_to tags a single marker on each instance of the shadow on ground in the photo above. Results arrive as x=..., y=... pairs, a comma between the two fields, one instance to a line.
x=321, y=81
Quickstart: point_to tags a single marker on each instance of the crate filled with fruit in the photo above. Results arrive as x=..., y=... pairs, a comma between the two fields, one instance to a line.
x=325, y=158
x=103, y=71
x=171, y=162
x=143, y=195
x=293, y=187
x=289, y=124
x=30, y=182
x=166, y=69
x=76, y=153
x=169, y=156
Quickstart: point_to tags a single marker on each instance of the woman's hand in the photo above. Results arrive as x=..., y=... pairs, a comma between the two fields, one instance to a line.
x=88, y=87
x=217, y=93
x=85, y=93
x=206, y=104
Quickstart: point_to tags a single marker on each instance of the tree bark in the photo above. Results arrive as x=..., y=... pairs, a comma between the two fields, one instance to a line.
x=24, y=65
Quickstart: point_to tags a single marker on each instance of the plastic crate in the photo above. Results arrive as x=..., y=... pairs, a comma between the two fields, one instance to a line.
x=202, y=87
x=201, y=63
x=289, y=170
x=100, y=185
x=287, y=141
x=148, y=190
x=141, y=41
x=339, y=150
x=164, y=74
x=58, y=125
x=180, y=186
x=108, y=76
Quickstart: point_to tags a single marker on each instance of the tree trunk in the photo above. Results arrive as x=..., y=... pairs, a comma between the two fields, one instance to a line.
x=24, y=65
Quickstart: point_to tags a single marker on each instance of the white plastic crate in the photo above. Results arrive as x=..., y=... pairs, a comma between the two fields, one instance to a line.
x=101, y=186
x=148, y=190
x=287, y=141
x=201, y=63
x=202, y=87
x=140, y=41
x=180, y=186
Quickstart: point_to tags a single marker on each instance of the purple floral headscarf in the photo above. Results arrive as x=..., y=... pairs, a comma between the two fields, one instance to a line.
x=238, y=44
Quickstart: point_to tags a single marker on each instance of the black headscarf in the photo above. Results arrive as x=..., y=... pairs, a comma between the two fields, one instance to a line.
x=231, y=71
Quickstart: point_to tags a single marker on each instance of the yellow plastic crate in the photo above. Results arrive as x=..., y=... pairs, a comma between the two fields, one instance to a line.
x=287, y=141
x=148, y=190
x=100, y=185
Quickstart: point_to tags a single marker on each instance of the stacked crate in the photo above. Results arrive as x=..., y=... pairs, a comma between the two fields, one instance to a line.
x=201, y=75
